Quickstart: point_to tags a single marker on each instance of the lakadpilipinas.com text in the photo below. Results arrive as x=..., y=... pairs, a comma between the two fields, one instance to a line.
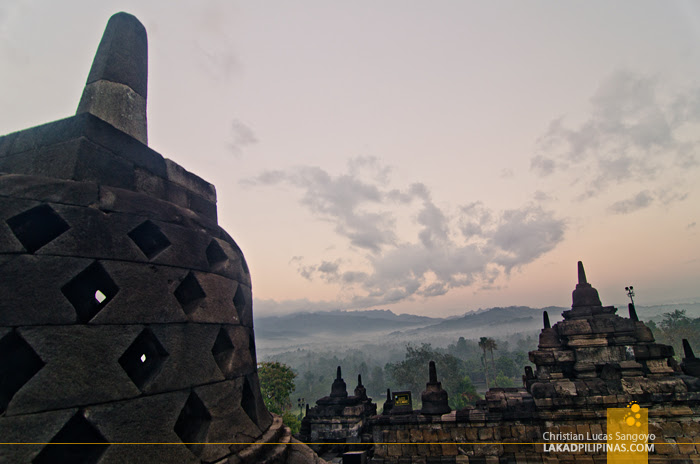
x=596, y=443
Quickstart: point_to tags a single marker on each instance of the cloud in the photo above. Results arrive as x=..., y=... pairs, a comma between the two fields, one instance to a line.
x=523, y=235
x=344, y=200
x=242, y=136
x=472, y=247
x=637, y=131
x=637, y=202
x=506, y=173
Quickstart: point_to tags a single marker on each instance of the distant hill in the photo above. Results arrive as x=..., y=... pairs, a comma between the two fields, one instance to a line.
x=522, y=316
x=355, y=329
x=342, y=323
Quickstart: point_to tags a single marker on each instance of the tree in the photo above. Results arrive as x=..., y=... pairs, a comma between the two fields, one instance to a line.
x=503, y=381
x=674, y=327
x=491, y=345
x=276, y=384
x=483, y=344
x=412, y=373
x=465, y=395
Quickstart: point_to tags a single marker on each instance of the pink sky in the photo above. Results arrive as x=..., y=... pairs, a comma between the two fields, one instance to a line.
x=429, y=158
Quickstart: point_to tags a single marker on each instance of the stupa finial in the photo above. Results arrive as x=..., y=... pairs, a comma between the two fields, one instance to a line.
x=581, y=274
x=432, y=373
x=116, y=88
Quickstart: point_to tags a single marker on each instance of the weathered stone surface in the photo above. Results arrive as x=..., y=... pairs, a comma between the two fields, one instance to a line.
x=177, y=174
x=121, y=200
x=223, y=399
x=152, y=418
x=241, y=360
x=118, y=105
x=148, y=295
x=189, y=350
x=81, y=367
x=93, y=234
x=217, y=306
x=48, y=190
x=47, y=304
x=30, y=428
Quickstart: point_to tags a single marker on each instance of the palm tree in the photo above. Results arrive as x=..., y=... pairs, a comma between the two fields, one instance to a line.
x=492, y=345
x=484, y=345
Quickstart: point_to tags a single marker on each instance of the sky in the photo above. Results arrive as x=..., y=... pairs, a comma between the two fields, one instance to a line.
x=430, y=158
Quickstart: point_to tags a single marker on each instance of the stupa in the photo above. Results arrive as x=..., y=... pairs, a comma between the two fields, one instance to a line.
x=126, y=314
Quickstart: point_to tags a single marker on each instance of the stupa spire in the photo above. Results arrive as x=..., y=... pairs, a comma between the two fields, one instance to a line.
x=581, y=274
x=116, y=88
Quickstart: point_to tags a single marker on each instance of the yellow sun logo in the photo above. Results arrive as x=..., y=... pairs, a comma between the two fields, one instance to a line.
x=631, y=417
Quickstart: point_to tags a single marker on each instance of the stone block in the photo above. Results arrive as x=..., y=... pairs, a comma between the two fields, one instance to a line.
x=156, y=417
x=218, y=305
x=56, y=161
x=30, y=428
x=93, y=234
x=121, y=144
x=202, y=206
x=187, y=247
x=562, y=356
x=189, y=350
x=584, y=341
x=691, y=428
x=430, y=436
x=121, y=200
x=44, y=135
x=239, y=357
x=47, y=304
x=71, y=158
x=574, y=327
x=230, y=263
x=81, y=367
x=565, y=388
x=542, y=357
x=665, y=446
x=686, y=446
x=449, y=449
x=96, y=164
x=147, y=297
x=48, y=190
x=192, y=182
x=223, y=401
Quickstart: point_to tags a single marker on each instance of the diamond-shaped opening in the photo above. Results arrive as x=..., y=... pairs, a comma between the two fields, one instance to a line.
x=192, y=424
x=223, y=351
x=90, y=291
x=239, y=302
x=18, y=363
x=248, y=402
x=38, y=226
x=144, y=358
x=189, y=293
x=88, y=444
x=149, y=238
x=216, y=256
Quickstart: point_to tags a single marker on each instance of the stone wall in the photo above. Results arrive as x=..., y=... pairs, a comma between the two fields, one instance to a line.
x=472, y=437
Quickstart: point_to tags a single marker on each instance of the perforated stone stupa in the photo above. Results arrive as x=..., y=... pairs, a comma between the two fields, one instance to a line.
x=126, y=311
